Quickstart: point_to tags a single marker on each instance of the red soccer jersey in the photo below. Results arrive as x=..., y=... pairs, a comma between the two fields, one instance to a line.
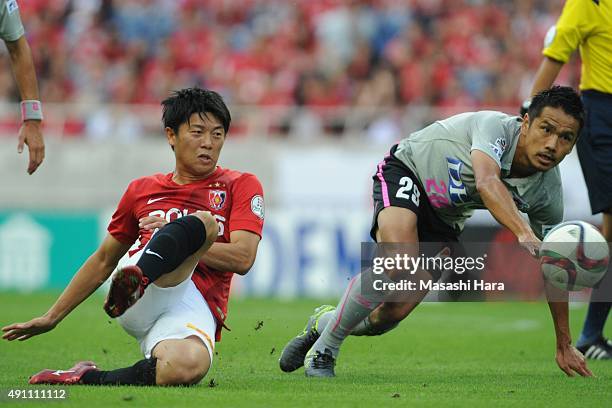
x=235, y=200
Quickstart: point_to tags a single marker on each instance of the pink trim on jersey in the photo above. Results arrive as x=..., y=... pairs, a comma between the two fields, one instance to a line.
x=383, y=183
x=348, y=290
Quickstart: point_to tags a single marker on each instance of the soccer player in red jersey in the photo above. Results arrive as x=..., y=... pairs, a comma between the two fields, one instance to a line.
x=186, y=234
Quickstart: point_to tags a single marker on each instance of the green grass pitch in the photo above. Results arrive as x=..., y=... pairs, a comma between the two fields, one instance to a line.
x=468, y=354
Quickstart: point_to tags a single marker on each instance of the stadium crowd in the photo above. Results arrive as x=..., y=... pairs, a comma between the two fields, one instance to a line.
x=311, y=53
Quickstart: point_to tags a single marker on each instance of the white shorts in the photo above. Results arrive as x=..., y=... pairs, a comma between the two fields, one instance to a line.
x=169, y=313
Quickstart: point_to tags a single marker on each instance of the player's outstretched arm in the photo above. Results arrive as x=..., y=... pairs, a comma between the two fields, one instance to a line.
x=569, y=359
x=89, y=277
x=499, y=202
x=30, y=132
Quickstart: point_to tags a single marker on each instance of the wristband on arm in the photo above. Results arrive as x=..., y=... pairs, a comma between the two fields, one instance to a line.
x=31, y=109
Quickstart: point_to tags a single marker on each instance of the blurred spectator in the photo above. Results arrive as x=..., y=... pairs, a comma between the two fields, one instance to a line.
x=317, y=54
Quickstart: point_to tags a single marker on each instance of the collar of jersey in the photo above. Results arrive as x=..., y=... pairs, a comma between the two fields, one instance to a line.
x=215, y=173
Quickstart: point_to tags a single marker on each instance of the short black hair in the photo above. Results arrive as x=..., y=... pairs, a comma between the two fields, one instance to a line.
x=563, y=97
x=181, y=104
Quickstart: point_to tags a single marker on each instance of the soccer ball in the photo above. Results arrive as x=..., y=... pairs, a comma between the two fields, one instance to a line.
x=574, y=256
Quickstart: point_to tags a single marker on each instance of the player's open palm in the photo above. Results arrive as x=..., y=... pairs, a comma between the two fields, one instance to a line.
x=571, y=361
x=23, y=331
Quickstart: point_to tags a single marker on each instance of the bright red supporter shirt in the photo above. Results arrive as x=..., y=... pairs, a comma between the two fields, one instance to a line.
x=235, y=200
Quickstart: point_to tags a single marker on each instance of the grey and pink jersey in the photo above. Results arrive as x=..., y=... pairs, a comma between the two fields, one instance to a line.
x=11, y=28
x=440, y=156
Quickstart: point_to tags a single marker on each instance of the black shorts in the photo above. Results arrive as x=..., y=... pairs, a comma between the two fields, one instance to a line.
x=595, y=149
x=395, y=185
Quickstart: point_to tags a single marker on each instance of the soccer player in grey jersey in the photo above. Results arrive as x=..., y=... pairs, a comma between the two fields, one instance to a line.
x=13, y=34
x=441, y=157
x=427, y=187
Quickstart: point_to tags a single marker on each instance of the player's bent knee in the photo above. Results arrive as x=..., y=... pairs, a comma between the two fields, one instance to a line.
x=185, y=362
x=182, y=374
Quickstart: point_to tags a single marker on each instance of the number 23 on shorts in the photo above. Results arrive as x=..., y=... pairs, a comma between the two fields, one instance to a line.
x=408, y=190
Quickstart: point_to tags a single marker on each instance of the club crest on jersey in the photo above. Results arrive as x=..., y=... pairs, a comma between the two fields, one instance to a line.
x=217, y=199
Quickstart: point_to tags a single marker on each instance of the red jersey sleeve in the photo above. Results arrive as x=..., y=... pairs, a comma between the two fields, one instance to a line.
x=247, y=205
x=124, y=224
